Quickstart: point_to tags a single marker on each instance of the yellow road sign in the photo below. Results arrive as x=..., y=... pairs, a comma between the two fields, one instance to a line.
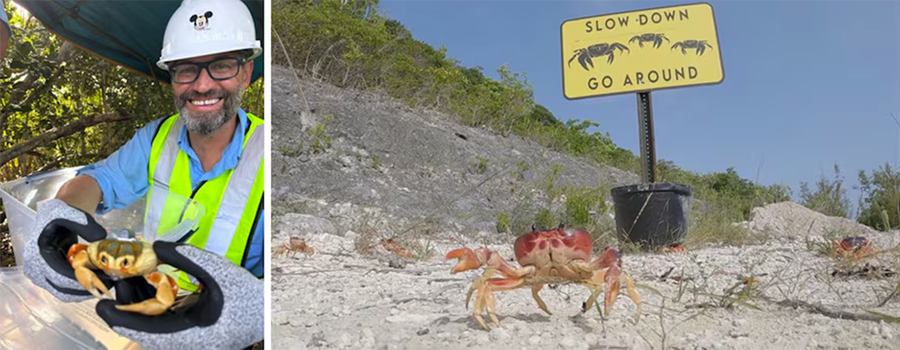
x=644, y=50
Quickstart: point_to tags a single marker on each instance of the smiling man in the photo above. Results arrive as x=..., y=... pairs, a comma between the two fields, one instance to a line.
x=211, y=152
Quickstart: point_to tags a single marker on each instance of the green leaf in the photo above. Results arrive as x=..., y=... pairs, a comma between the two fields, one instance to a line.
x=734, y=300
x=647, y=287
x=886, y=318
x=25, y=48
x=17, y=64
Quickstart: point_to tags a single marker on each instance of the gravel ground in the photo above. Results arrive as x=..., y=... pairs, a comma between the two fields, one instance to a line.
x=340, y=299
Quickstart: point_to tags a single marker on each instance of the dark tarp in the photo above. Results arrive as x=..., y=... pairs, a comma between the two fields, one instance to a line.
x=128, y=33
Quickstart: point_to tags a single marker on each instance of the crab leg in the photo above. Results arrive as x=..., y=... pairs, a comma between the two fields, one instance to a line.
x=166, y=289
x=596, y=289
x=537, y=286
x=484, y=299
x=534, y=293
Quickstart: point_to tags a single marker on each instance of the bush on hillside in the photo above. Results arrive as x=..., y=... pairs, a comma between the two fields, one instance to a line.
x=830, y=197
x=880, y=198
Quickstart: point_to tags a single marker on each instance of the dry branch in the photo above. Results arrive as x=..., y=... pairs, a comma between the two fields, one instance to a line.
x=56, y=162
x=819, y=309
x=58, y=132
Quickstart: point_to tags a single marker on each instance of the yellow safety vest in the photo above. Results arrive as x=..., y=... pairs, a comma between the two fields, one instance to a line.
x=232, y=202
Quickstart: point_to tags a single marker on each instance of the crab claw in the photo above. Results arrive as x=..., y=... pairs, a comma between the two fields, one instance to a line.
x=74, y=250
x=78, y=258
x=609, y=258
x=91, y=282
x=611, y=281
x=166, y=289
x=468, y=260
x=613, y=284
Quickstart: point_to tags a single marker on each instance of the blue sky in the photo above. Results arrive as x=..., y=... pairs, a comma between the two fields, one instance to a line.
x=811, y=87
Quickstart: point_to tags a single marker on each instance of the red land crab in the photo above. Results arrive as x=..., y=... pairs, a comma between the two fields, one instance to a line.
x=673, y=248
x=555, y=256
x=857, y=247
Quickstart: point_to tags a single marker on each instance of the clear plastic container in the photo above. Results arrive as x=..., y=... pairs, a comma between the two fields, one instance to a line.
x=31, y=318
x=21, y=198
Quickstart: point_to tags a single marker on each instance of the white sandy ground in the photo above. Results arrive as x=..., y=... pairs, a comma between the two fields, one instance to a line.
x=339, y=299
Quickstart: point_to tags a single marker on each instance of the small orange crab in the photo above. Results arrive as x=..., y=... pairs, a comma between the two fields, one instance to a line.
x=750, y=279
x=673, y=248
x=555, y=256
x=294, y=245
x=392, y=246
x=857, y=247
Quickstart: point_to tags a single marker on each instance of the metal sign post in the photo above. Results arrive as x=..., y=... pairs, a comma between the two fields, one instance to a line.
x=648, y=146
x=638, y=52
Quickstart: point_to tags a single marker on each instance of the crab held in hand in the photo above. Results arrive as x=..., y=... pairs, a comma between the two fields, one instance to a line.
x=555, y=256
x=123, y=259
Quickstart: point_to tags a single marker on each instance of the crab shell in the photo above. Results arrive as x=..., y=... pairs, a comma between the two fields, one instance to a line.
x=540, y=248
x=118, y=259
x=559, y=246
x=856, y=242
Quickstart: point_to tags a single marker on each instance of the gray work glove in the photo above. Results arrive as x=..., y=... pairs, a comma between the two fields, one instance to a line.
x=57, y=227
x=229, y=312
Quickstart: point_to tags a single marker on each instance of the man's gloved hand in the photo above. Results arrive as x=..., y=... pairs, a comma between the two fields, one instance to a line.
x=229, y=312
x=57, y=226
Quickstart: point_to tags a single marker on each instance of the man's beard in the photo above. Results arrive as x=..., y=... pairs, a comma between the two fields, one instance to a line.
x=206, y=123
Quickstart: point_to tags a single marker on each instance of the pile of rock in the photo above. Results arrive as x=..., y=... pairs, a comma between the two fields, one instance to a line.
x=791, y=221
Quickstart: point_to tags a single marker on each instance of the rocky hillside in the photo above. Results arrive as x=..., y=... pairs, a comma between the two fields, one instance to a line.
x=358, y=152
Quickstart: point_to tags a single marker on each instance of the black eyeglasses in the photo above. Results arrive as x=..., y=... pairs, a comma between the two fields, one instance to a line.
x=220, y=69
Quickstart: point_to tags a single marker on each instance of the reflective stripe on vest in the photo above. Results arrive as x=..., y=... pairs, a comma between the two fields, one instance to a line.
x=232, y=201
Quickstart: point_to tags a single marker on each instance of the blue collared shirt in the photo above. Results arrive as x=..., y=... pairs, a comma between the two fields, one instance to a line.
x=4, y=23
x=123, y=175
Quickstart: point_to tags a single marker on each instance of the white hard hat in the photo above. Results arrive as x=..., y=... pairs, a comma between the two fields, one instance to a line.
x=206, y=27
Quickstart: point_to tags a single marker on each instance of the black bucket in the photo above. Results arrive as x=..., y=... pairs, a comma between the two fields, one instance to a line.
x=652, y=215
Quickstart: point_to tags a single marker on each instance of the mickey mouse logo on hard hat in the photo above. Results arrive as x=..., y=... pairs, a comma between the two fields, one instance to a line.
x=201, y=22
